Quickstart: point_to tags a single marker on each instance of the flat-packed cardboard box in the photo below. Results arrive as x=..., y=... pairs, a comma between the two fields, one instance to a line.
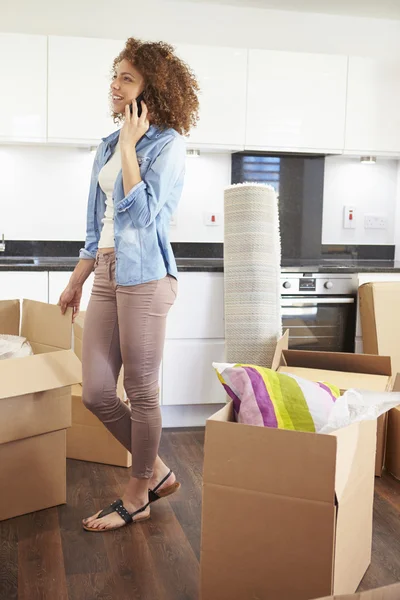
x=346, y=371
x=288, y=514
x=392, y=592
x=78, y=339
x=35, y=408
x=380, y=320
x=393, y=438
x=88, y=439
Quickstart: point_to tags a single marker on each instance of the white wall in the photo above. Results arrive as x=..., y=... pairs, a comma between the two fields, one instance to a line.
x=199, y=23
x=397, y=221
x=370, y=189
x=44, y=194
x=206, y=178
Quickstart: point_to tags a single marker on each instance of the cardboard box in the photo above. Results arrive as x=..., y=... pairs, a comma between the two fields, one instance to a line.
x=35, y=408
x=88, y=439
x=346, y=371
x=379, y=313
x=288, y=514
x=379, y=308
x=392, y=592
x=393, y=437
x=32, y=474
x=78, y=340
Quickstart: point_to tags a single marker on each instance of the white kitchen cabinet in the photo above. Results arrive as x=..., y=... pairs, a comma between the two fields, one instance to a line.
x=198, y=311
x=58, y=281
x=373, y=99
x=31, y=285
x=222, y=75
x=188, y=374
x=296, y=101
x=80, y=71
x=23, y=87
x=370, y=278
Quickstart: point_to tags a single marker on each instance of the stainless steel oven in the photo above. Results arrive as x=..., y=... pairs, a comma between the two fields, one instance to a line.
x=319, y=310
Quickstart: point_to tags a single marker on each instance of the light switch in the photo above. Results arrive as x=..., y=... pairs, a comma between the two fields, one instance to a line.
x=349, y=217
x=212, y=218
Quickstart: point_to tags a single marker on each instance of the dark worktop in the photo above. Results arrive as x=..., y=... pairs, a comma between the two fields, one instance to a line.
x=48, y=263
x=66, y=263
x=341, y=266
x=56, y=255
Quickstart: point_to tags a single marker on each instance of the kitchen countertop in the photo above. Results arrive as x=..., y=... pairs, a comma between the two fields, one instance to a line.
x=48, y=263
x=332, y=265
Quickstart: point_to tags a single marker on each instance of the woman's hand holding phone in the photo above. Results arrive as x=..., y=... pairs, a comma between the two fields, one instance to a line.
x=135, y=126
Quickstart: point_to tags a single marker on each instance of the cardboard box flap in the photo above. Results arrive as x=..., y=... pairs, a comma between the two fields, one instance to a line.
x=391, y=592
x=282, y=463
x=78, y=325
x=379, y=302
x=367, y=318
x=355, y=479
x=282, y=344
x=39, y=373
x=396, y=385
x=45, y=325
x=9, y=317
x=339, y=361
x=343, y=380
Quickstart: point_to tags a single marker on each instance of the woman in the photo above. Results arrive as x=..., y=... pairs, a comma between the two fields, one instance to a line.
x=136, y=184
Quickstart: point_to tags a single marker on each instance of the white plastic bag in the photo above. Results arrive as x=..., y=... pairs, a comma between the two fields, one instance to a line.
x=359, y=405
x=14, y=346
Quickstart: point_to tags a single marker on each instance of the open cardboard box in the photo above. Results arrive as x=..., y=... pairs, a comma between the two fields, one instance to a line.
x=379, y=312
x=35, y=408
x=345, y=370
x=391, y=592
x=288, y=514
x=88, y=439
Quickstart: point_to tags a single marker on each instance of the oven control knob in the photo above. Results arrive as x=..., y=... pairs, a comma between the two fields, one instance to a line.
x=287, y=285
x=328, y=285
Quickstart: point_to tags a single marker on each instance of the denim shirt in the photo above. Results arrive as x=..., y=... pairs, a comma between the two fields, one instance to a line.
x=141, y=217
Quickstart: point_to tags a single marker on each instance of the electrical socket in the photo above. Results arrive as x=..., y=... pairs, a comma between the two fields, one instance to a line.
x=375, y=222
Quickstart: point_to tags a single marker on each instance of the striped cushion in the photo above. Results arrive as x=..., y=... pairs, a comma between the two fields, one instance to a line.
x=266, y=398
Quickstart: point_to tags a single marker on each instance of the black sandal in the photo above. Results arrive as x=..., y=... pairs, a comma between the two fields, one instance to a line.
x=167, y=491
x=118, y=507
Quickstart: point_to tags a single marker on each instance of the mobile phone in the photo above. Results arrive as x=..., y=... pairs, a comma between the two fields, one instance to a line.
x=138, y=104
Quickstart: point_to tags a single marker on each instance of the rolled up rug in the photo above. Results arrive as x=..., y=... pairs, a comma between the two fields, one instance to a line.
x=252, y=257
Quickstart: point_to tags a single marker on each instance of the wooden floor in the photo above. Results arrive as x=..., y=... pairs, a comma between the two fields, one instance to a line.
x=47, y=555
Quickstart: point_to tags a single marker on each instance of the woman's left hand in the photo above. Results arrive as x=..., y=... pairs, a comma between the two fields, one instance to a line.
x=134, y=127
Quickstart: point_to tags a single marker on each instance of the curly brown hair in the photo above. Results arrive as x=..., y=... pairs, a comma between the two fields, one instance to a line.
x=171, y=87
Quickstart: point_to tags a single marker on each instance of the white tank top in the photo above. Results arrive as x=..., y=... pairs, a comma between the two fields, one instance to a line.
x=107, y=177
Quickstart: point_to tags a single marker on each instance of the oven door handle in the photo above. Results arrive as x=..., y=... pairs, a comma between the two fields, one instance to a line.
x=315, y=302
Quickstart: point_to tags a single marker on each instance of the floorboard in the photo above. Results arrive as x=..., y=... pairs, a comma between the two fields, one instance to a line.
x=48, y=556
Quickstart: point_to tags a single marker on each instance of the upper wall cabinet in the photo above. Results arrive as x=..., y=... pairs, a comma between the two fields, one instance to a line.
x=23, y=87
x=80, y=72
x=296, y=101
x=222, y=75
x=373, y=101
